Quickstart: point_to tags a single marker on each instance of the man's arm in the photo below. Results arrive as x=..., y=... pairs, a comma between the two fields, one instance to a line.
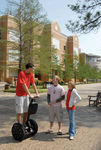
x=48, y=98
x=59, y=99
x=26, y=90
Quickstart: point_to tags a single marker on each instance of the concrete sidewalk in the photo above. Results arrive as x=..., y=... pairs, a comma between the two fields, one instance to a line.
x=88, y=124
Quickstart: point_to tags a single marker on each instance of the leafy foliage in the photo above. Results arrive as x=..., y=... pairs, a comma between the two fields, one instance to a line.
x=30, y=19
x=67, y=67
x=89, y=16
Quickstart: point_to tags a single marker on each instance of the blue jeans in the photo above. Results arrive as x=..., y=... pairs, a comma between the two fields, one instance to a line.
x=72, y=126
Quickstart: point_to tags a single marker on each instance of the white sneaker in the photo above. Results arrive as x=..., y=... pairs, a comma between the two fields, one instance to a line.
x=71, y=137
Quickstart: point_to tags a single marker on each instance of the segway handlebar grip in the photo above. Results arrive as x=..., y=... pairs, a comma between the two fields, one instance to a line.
x=35, y=96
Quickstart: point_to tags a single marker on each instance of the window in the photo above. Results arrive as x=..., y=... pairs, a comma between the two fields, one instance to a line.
x=75, y=56
x=13, y=36
x=0, y=34
x=13, y=55
x=64, y=47
x=56, y=43
x=91, y=59
x=56, y=28
x=76, y=51
x=56, y=59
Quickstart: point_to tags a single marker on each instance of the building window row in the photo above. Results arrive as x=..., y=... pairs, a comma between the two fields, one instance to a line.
x=13, y=36
x=56, y=43
x=91, y=59
x=13, y=55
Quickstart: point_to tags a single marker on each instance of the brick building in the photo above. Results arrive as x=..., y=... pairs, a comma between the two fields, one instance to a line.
x=7, y=26
x=60, y=41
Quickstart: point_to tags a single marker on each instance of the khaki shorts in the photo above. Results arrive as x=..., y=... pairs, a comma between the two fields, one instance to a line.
x=21, y=104
x=55, y=112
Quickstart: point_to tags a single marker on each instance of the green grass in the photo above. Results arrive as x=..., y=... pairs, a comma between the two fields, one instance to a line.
x=39, y=88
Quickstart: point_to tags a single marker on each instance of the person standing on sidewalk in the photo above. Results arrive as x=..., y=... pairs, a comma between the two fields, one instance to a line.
x=72, y=98
x=25, y=78
x=55, y=95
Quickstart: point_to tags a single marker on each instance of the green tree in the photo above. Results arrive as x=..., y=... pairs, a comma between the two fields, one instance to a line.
x=44, y=53
x=82, y=71
x=89, y=16
x=67, y=67
x=88, y=71
x=47, y=58
x=94, y=72
x=99, y=74
x=30, y=19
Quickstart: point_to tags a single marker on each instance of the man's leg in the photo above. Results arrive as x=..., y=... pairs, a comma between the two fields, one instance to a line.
x=24, y=118
x=59, y=124
x=51, y=126
x=19, y=118
x=25, y=109
x=51, y=119
x=19, y=107
x=59, y=116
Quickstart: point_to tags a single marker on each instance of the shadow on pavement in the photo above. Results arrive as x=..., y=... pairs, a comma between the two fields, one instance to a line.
x=7, y=140
x=85, y=116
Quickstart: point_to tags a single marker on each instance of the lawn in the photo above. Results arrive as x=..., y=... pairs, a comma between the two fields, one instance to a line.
x=39, y=88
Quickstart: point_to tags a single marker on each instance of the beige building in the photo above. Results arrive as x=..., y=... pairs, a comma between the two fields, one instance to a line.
x=93, y=60
x=58, y=40
x=7, y=35
x=63, y=42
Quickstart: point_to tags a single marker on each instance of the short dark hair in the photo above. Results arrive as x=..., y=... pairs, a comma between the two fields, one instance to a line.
x=29, y=65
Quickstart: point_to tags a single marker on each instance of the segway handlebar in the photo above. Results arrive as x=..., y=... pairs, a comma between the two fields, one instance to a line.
x=33, y=99
x=35, y=96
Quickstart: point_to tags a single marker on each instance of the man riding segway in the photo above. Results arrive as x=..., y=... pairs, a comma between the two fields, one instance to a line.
x=25, y=78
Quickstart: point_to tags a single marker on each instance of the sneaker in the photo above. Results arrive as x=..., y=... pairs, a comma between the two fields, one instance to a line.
x=26, y=128
x=31, y=130
x=71, y=137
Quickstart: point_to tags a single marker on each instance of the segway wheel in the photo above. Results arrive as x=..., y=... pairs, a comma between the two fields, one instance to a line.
x=18, y=132
x=34, y=126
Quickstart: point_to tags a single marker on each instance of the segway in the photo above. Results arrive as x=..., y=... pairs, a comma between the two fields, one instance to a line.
x=18, y=130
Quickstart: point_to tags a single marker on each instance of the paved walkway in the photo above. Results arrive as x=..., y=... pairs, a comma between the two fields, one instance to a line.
x=88, y=123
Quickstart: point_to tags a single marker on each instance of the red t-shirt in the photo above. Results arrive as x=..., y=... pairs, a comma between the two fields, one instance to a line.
x=68, y=99
x=25, y=79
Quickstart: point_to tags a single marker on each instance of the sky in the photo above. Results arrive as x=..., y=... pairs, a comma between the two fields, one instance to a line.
x=57, y=10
